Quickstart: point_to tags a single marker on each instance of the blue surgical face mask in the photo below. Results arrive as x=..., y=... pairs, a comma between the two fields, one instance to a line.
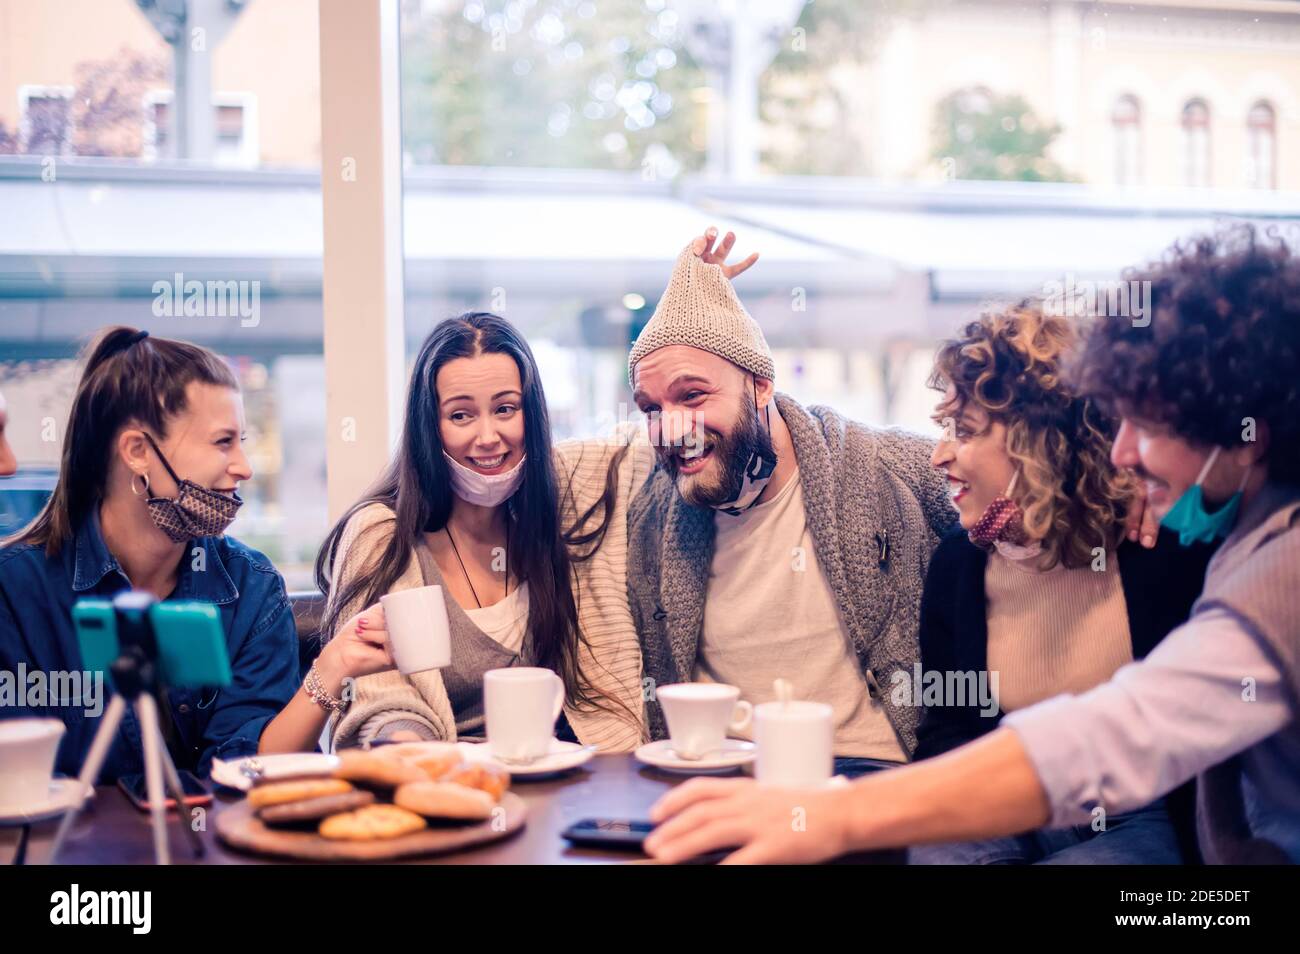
x=1189, y=518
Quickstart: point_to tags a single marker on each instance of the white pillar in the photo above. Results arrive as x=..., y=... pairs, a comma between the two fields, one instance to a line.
x=742, y=100
x=361, y=191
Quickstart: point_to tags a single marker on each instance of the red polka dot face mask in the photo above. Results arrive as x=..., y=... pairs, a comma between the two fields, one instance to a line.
x=1002, y=526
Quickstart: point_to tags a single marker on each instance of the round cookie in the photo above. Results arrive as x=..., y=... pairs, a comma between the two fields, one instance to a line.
x=296, y=790
x=484, y=776
x=445, y=800
x=376, y=769
x=314, y=809
x=372, y=823
x=435, y=763
x=417, y=750
x=434, y=759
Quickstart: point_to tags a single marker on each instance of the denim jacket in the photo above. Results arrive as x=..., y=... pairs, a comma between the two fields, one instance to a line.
x=38, y=639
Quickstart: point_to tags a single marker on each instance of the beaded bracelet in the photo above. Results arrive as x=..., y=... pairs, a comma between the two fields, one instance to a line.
x=312, y=686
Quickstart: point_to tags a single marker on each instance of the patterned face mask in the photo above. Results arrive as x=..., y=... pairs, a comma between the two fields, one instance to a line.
x=195, y=511
x=1002, y=527
x=758, y=470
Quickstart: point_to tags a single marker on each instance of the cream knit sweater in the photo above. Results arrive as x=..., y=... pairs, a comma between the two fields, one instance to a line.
x=611, y=659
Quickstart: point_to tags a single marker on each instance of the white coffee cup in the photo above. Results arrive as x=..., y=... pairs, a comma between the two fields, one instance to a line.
x=520, y=705
x=795, y=743
x=419, y=634
x=700, y=714
x=28, y=748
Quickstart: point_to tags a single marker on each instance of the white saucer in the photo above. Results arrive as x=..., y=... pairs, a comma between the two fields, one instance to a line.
x=733, y=754
x=64, y=794
x=560, y=757
x=239, y=773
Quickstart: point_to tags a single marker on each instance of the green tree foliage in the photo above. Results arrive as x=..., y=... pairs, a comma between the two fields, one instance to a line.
x=810, y=95
x=979, y=135
x=556, y=83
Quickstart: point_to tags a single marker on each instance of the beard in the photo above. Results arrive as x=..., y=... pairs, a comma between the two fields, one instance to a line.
x=731, y=455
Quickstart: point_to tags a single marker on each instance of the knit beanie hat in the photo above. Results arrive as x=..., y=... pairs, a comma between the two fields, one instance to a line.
x=700, y=309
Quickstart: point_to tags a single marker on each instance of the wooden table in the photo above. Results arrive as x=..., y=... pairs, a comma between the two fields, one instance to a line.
x=112, y=831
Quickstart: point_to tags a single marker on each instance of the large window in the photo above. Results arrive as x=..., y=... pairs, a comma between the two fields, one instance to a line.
x=103, y=199
x=897, y=165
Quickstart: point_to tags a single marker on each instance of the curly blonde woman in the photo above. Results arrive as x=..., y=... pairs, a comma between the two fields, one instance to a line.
x=1036, y=595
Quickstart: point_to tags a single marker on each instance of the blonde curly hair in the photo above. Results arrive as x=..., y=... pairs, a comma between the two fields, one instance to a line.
x=1008, y=363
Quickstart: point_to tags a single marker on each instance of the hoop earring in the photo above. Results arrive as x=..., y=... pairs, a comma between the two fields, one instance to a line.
x=145, y=479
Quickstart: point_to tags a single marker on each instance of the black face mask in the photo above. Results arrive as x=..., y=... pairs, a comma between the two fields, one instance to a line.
x=195, y=511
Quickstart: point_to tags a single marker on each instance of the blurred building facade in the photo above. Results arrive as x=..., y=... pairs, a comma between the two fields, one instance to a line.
x=1162, y=93
x=1173, y=116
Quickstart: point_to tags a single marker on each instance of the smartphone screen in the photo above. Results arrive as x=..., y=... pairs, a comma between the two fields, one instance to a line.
x=196, y=793
x=609, y=831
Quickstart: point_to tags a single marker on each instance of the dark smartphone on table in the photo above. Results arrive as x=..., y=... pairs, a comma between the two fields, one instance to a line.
x=608, y=832
x=196, y=793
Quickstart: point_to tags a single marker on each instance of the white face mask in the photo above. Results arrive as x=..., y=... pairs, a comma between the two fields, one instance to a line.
x=485, y=490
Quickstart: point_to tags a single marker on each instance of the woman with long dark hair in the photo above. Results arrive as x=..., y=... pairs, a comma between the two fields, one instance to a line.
x=478, y=501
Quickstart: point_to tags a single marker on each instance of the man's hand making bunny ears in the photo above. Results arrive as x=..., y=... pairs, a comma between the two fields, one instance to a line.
x=703, y=247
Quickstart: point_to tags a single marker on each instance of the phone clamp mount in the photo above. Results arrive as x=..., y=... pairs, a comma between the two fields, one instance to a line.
x=135, y=673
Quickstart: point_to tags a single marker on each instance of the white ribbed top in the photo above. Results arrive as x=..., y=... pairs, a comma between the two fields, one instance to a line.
x=611, y=658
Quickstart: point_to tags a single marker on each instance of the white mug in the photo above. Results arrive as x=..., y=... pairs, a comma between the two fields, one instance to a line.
x=28, y=748
x=795, y=743
x=419, y=634
x=700, y=714
x=520, y=705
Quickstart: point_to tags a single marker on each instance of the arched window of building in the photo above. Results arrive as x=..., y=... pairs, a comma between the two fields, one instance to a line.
x=1126, y=124
x=1261, y=147
x=1196, y=143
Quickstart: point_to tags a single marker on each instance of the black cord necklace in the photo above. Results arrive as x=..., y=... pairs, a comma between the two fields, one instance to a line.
x=456, y=550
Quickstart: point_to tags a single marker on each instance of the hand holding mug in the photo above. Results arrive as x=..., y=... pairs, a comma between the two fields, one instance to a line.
x=358, y=649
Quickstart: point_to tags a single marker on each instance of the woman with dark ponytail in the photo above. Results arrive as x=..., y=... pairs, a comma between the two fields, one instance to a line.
x=152, y=460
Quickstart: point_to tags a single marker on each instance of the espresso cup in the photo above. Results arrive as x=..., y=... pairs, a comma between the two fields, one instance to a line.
x=795, y=743
x=419, y=634
x=28, y=748
x=520, y=705
x=700, y=714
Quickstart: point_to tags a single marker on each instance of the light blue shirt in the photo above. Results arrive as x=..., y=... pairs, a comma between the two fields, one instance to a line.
x=1210, y=690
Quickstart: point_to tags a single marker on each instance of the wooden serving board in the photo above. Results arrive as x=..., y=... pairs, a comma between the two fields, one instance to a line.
x=240, y=828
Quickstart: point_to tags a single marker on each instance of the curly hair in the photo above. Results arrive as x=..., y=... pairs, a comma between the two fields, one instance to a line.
x=1221, y=348
x=1008, y=363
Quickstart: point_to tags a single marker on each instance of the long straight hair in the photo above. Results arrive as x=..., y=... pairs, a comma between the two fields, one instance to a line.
x=127, y=380
x=416, y=486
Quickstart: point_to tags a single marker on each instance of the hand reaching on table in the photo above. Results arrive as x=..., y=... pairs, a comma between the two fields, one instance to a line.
x=766, y=825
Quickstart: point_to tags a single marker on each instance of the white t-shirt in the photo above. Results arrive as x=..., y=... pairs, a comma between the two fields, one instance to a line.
x=506, y=620
x=769, y=613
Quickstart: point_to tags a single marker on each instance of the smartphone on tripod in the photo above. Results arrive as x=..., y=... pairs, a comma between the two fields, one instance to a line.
x=188, y=643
